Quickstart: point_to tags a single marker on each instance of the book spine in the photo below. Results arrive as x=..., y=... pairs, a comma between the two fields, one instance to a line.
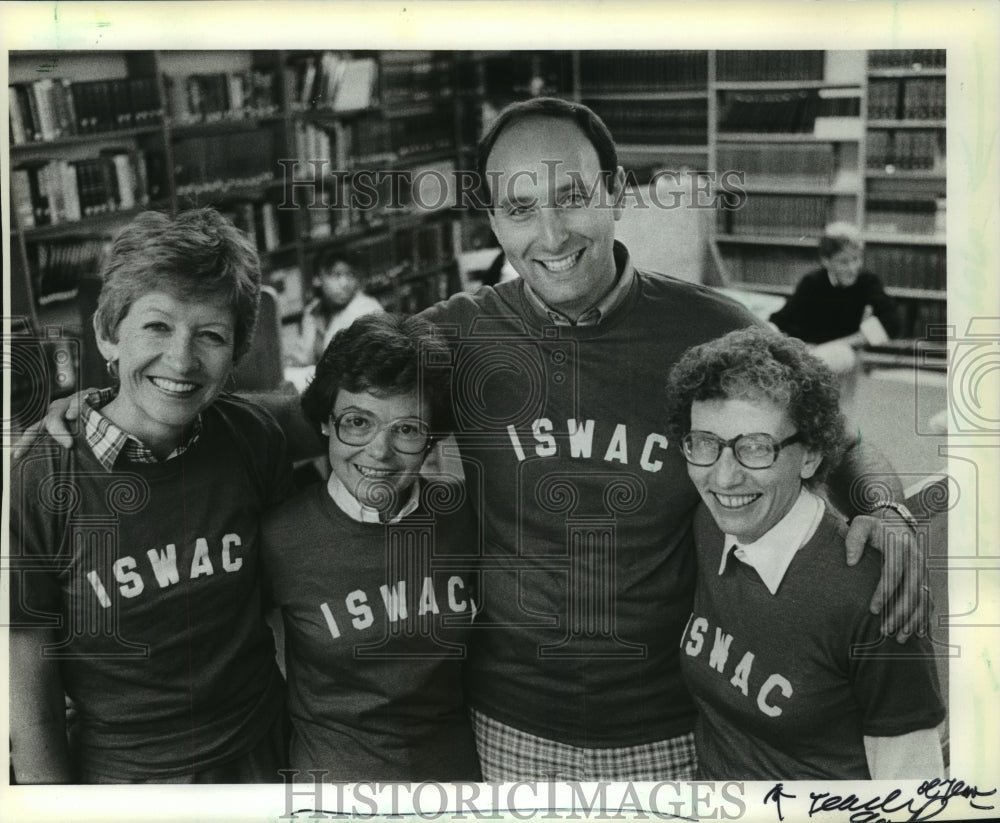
x=20, y=190
x=18, y=130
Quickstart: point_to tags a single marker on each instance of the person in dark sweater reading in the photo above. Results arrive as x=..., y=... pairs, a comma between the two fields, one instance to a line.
x=839, y=301
x=134, y=587
x=791, y=674
x=366, y=569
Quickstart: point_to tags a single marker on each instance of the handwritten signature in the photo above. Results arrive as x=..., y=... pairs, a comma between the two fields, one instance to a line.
x=932, y=798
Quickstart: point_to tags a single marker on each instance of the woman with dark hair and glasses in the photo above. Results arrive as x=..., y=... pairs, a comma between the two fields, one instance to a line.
x=367, y=572
x=787, y=665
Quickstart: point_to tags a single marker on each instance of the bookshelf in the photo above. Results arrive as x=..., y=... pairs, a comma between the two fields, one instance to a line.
x=271, y=138
x=785, y=131
x=297, y=147
x=905, y=180
x=824, y=136
x=654, y=102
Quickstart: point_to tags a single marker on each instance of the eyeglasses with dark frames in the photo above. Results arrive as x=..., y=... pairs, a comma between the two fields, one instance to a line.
x=758, y=450
x=407, y=435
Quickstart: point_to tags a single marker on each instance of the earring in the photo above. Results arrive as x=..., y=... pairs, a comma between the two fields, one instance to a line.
x=112, y=366
x=230, y=385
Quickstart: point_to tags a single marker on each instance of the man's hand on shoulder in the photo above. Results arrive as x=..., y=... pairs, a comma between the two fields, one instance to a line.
x=60, y=422
x=902, y=596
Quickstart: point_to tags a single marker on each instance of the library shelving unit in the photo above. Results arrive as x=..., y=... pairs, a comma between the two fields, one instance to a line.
x=380, y=156
x=88, y=150
x=786, y=132
x=905, y=180
x=306, y=151
x=271, y=138
x=654, y=102
x=836, y=135
x=485, y=82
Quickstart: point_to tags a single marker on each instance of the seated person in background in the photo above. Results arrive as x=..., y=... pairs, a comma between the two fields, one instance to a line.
x=339, y=301
x=363, y=568
x=789, y=669
x=837, y=301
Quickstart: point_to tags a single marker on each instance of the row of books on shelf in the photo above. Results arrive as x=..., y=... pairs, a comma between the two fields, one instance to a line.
x=348, y=204
x=54, y=108
x=373, y=140
x=906, y=58
x=921, y=98
x=57, y=266
x=762, y=64
x=785, y=112
x=800, y=164
x=414, y=295
x=470, y=117
x=59, y=191
x=215, y=162
x=414, y=76
x=777, y=215
x=925, y=217
x=370, y=142
x=206, y=98
x=269, y=226
x=642, y=71
x=906, y=149
x=911, y=267
x=646, y=122
x=924, y=319
x=507, y=76
x=425, y=245
x=332, y=80
x=780, y=268
x=328, y=216
x=316, y=149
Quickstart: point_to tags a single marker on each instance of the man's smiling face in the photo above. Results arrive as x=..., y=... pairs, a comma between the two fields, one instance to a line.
x=553, y=213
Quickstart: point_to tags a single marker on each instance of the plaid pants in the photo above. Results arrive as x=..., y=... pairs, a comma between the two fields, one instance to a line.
x=508, y=754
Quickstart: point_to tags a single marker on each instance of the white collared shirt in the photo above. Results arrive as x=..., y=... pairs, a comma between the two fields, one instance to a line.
x=771, y=554
x=356, y=510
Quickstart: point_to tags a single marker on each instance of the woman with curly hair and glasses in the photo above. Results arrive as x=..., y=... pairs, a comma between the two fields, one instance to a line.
x=790, y=672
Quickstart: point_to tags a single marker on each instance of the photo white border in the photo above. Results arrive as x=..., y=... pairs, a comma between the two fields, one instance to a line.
x=970, y=32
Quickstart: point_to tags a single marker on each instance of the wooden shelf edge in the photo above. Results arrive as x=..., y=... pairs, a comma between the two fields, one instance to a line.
x=768, y=240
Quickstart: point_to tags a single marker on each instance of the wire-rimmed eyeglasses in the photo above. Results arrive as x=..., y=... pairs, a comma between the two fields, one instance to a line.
x=758, y=450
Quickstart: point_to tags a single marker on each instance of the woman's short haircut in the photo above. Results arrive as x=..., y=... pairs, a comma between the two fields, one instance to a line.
x=839, y=236
x=756, y=364
x=552, y=108
x=385, y=354
x=197, y=254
